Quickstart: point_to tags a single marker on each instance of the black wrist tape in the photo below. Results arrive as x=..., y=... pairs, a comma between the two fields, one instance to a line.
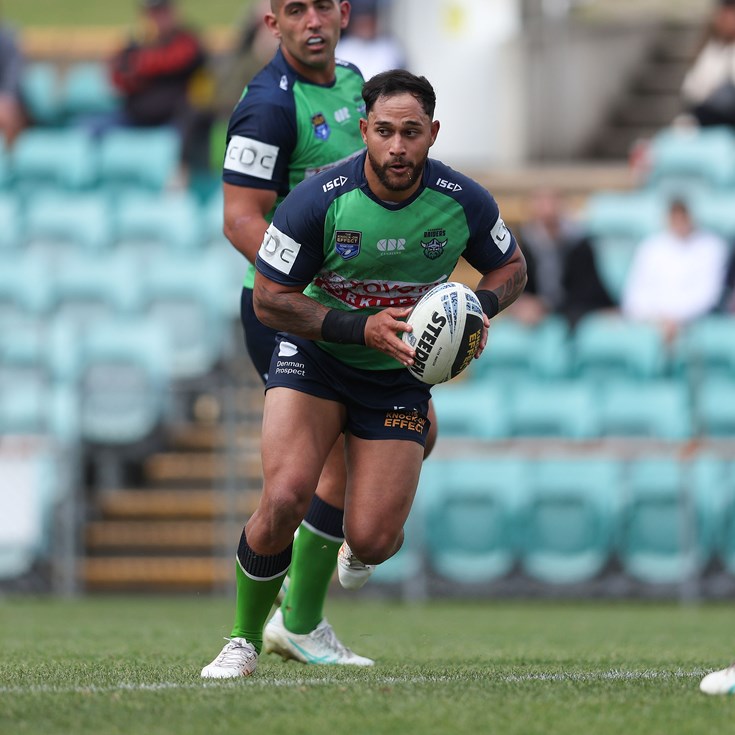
x=344, y=327
x=489, y=302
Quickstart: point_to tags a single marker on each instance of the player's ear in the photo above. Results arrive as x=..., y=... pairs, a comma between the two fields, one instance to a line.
x=363, y=129
x=434, y=130
x=344, y=11
x=271, y=22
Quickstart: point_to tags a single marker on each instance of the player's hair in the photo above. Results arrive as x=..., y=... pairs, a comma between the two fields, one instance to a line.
x=399, y=81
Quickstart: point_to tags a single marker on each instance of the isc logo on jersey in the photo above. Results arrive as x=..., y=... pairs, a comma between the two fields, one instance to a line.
x=391, y=245
x=444, y=184
x=334, y=183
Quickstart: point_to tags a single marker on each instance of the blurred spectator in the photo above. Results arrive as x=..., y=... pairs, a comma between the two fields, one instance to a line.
x=708, y=90
x=562, y=275
x=366, y=45
x=161, y=76
x=727, y=302
x=12, y=113
x=676, y=275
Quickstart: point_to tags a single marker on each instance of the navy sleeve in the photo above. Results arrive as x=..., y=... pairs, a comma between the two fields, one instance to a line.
x=292, y=252
x=491, y=243
x=260, y=141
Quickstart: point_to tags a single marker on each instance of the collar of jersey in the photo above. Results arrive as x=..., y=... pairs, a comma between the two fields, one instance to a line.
x=295, y=76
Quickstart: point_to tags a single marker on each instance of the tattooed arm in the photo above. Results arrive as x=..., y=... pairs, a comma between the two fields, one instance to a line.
x=506, y=282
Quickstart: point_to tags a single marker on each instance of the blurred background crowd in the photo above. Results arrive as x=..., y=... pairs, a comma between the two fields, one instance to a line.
x=593, y=444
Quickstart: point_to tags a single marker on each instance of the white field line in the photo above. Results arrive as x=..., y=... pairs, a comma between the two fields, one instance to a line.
x=614, y=675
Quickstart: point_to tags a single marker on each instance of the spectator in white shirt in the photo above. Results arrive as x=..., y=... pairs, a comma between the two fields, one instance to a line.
x=677, y=275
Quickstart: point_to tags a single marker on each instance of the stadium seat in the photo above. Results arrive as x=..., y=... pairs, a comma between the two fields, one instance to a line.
x=88, y=290
x=725, y=521
x=62, y=224
x=12, y=230
x=706, y=349
x=715, y=408
x=26, y=293
x=122, y=374
x=54, y=158
x=516, y=351
x=608, y=347
x=713, y=211
x=183, y=296
x=40, y=91
x=471, y=409
x=568, y=527
x=163, y=223
x=134, y=158
x=564, y=409
x=615, y=219
x=471, y=510
x=86, y=90
x=692, y=160
x=666, y=534
x=658, y=409
x=613, y=261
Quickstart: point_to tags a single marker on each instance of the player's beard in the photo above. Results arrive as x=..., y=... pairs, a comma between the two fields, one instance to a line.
x=392, y=182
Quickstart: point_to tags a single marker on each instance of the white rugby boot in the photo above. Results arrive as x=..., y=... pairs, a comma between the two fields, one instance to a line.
x=321, y=646
x=719, y=682
x=237, y=658
x=351, y=571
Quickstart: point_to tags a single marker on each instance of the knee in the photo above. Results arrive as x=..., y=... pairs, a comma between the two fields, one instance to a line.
x=374, y=548
x=279, y=514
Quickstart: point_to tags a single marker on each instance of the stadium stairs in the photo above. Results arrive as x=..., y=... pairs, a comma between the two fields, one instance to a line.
x=651, y=98
x=175, y=527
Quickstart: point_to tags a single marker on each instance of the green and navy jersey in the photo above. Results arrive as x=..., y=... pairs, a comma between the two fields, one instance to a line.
x=286, y=128
x=350, y=250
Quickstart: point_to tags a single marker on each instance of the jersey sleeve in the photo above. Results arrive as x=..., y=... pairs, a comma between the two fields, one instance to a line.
x=490, y=243
x=292, y=252
x=261, y=138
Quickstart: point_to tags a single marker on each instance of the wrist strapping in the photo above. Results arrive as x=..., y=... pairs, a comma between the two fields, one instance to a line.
x=489, y=302
x=344, y=327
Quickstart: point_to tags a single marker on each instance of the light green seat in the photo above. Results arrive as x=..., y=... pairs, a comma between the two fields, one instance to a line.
x=471, y=510
x=562, y=409
x=86, y=89
x=656, y=408
x=614, y=218
x=40, y=89
x=609, y=347
x=54, y=158
x=146, y=158
x=715, y=408
x=706, y=349
x=168, y=222
x=516, y=351
x=692, y=160
x=666, y=531
x=471, y=409
x=568, y=527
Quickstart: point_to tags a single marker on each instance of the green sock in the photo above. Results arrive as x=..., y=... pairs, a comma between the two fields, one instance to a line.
x=312, y=567
x=254, y=601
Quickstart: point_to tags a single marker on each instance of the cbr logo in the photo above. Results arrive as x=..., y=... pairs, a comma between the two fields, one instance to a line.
x=251, y=157
x=444, y=184
x=278, y=250
x=334, y=183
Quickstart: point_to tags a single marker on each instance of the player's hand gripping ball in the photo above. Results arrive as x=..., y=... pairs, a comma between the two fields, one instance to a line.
x=447, y=327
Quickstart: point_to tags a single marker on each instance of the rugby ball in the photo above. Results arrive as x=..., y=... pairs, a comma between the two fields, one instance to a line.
x=447, y=327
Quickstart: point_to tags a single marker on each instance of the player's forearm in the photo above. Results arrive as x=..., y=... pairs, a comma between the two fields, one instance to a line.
x=291, y=312
x=507, y=282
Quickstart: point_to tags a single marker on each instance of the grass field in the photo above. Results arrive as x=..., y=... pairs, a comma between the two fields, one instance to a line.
x=51, y=13
x=131, y=665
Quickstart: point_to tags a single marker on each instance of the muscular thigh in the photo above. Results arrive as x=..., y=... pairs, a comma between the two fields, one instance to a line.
x=299, y=430
x=382, y=477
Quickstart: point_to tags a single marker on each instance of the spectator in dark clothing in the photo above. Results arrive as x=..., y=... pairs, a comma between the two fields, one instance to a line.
x=12, y=112
x=562, y=275
x=162, y=79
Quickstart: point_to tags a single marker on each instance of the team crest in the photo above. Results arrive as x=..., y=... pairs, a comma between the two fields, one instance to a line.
x=434, y=248
x=320, y=125
x=347, y=243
